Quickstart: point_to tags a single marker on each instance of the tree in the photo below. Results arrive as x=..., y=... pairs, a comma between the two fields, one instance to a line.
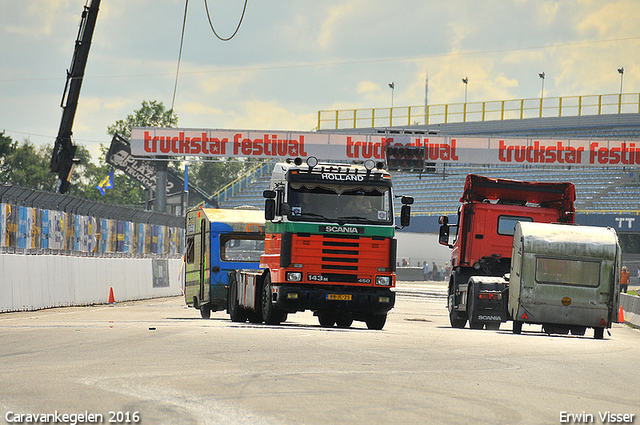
x=213, y=176
x=24, y=164
x=125, y=190
x=151, y=114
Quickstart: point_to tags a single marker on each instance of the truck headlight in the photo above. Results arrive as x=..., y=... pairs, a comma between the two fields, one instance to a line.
x=383, y=280
x=293, y=276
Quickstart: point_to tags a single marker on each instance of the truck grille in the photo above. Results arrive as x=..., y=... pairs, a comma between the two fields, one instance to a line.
x=341, y=258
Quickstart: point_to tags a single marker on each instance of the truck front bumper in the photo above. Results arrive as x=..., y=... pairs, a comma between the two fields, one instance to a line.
x=354, y=299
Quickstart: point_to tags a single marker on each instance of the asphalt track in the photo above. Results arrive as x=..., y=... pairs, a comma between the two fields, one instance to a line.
x=157, y=362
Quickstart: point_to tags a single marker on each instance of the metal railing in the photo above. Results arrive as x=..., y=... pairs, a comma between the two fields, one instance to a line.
x=38, y=222
x=565, y=106
x=242, y=182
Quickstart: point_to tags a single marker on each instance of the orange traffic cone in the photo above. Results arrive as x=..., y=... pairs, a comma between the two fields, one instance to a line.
x=111, y=298
x=621, y=315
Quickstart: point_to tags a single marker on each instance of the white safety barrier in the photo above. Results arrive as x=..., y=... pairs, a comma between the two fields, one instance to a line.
x=33, y=282
x=631, y=307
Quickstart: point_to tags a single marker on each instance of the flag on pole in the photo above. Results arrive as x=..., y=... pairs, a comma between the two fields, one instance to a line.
x=106, y=183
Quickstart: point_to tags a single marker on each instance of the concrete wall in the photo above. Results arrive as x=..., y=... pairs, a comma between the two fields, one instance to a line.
x=631, y=307
x=32, y=282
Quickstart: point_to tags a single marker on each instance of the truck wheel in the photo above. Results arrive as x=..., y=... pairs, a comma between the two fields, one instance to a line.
x=473, y=324
x=344, y=320
x=326, y=319
x=517, y=327
x=236, y=312
x=269, y=314
x=456, y=322
x=598, y=333
x=376, y=321
x=205, y=311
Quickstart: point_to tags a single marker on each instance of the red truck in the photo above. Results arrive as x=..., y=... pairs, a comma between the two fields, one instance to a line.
x=481, y=251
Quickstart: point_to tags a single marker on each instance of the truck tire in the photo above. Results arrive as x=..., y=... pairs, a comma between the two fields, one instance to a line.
x=270, y=315
x=455, y=320
x=327, y=319
x=376, y=321
x=344, y=320
x=236, y=312
x=205, y=311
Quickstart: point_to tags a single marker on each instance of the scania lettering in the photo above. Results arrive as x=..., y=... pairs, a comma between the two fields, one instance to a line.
x=329, y=246
x=338, y=229
x=481, y=252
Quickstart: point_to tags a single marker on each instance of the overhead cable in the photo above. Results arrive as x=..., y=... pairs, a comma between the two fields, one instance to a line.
x=206, y=6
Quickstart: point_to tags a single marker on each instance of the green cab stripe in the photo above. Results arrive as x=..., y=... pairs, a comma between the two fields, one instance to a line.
x=314, y=228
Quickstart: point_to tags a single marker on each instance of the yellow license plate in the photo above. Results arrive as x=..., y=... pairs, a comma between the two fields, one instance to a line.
x=341, y=297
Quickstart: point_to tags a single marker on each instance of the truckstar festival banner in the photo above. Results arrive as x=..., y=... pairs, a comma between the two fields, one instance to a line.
x=208, y=143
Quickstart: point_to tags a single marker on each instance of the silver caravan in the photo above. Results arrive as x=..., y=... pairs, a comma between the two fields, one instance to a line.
x=564, y=277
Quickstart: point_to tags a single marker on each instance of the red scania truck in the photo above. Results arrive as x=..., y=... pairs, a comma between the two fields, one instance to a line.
x=483, y=242
x=329, y=246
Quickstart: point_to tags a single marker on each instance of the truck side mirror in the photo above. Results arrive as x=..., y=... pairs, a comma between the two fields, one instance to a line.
x=405, y=216
x=443, y=237
x=269, y=209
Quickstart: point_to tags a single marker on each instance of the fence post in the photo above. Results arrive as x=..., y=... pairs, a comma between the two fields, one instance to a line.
x=540, y=107
x=559, y=106
x=620, y=103
x=521, y=108
x=464, y=112
x=355, y=122
x=337, y=112
x=599, y=104
x=502, y=112
x=483, y=109
x=446, y=113
x=579, y=106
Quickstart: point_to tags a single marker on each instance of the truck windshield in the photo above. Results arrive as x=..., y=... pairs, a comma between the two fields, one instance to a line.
x=236, y=247
x=567, y=272
x=341, y=204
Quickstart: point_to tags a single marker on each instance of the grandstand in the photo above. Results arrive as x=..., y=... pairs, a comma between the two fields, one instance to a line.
x=604, y=196
x=597, y=189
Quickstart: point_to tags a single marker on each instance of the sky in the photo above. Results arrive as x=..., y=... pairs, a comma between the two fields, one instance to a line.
x=292, y=58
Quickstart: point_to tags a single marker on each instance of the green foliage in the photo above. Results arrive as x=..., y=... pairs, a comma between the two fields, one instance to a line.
x=88, y=175
x=213, y=176
x=25, y=165
x=151, y=114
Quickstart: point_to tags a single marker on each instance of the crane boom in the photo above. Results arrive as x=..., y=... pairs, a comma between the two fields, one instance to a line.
x=63, y=157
